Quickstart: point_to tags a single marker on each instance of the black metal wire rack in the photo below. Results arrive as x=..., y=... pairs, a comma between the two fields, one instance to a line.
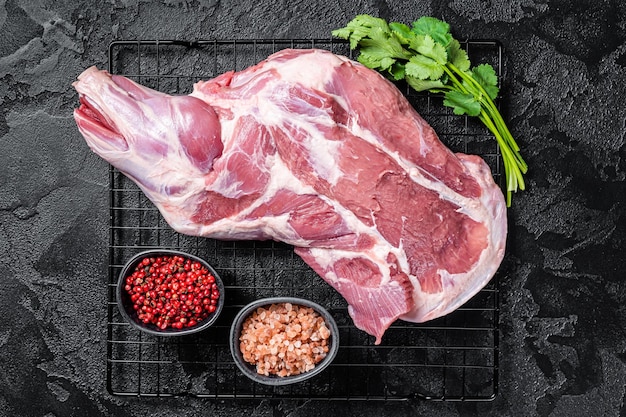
x=451, y=358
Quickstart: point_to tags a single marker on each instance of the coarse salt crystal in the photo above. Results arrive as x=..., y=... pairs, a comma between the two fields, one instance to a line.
x=290, y=340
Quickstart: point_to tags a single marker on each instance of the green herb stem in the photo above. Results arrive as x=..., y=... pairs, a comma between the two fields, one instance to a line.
x=493, y=111
x=514, y=164
x=450, y=70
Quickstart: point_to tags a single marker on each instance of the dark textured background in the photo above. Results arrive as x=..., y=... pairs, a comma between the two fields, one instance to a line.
x=563, y=350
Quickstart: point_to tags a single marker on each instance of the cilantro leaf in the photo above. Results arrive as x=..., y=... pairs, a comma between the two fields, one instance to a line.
x=485, y=75
x=426, y=46
x=423, y=68
x=424, y=85
x=387, y=43
x=435, y=28
x=402, y=31
x=462, y=103
x=343, y=33
x=380, y=50
x=373, y=60
x=397, y=71
x=360, y=27
x=457, y=56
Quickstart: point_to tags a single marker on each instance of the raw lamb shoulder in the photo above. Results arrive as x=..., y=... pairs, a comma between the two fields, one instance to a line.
x=315, y=150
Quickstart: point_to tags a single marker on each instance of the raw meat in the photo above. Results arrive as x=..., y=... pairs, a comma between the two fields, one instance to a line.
x=312, y=149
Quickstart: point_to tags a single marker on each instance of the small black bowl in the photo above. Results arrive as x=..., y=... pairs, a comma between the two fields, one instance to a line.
x=250, y=370
x=125, y=305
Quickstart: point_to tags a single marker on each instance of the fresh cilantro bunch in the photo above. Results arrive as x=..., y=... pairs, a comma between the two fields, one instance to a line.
x=430, y=59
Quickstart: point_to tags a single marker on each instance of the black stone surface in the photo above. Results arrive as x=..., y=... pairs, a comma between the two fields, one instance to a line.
x=563, y=344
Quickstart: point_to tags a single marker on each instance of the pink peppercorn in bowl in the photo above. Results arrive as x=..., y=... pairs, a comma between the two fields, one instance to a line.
x=283, y=340
x=169, y=293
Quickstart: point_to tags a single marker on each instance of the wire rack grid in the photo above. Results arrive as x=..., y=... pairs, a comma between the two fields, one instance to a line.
x=451, y=358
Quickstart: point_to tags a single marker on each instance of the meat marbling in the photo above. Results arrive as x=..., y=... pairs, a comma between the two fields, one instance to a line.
x=315, y=150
